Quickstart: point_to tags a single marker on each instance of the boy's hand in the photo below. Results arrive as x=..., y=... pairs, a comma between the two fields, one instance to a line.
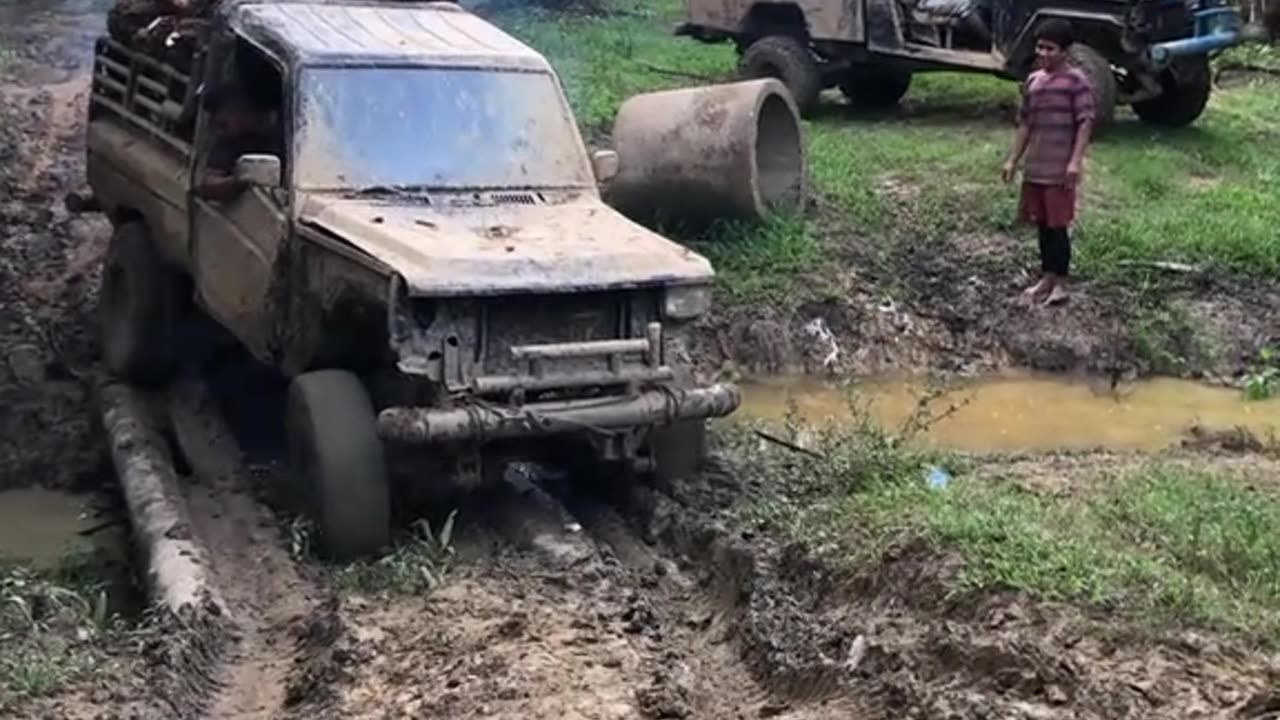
x=1073, y=174
x=1009, y=171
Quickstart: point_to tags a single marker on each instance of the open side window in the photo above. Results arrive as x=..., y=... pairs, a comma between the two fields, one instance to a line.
x=242, y=109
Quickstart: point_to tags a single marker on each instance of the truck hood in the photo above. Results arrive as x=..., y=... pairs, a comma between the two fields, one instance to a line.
x=579, y=245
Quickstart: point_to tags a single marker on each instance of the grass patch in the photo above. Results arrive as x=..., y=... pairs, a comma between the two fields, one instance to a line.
x=1166, y=338
x=602, y=61
x=929, y=171
x=49, y=624
x=1161, y=548
x=1262, y=382
x=769, y=262
x=417, y=562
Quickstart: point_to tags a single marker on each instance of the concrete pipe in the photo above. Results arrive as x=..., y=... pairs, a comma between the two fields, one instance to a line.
x=720, y=151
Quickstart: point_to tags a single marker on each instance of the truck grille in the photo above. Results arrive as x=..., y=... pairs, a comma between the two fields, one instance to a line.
x=530, y=320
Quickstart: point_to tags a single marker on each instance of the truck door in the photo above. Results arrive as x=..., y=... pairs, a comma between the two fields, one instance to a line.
x=236, y=241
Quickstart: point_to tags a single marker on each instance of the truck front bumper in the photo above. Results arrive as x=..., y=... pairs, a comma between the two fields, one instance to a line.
x=1216, y=28
x=481, y=421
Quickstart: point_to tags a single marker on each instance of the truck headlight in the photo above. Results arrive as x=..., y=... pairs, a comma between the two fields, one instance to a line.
x=686, y=302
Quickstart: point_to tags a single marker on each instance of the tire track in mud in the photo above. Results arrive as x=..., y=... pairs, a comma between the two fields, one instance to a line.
x=267, y=597
x=559, y=609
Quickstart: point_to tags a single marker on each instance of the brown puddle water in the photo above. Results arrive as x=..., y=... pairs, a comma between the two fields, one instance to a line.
x=1024, y=412
x=41, y=527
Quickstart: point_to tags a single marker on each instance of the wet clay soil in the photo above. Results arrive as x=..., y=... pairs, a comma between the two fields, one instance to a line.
x=48, y=260
x=667, y=611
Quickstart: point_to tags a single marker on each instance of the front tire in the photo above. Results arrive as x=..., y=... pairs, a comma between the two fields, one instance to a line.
x=138, y=306
x=1185, y=95
x=338, y=464
x=1101, y=77
x=789, y=60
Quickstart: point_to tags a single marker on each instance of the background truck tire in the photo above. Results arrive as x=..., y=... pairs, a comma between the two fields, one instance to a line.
x=875, y=88
x=139, y=305
x=789, y=60
x=338, y=469
x=1183, y=99
x=1103, y=80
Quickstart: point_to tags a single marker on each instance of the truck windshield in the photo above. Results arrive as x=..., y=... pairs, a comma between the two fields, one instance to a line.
x=434, y=128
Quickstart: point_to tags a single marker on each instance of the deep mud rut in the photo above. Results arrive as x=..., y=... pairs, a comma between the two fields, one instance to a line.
x=540, y=621
x=659, y=608
x=266, y=595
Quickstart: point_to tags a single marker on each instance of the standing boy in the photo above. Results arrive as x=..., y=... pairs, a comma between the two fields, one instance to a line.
x=1054, y=124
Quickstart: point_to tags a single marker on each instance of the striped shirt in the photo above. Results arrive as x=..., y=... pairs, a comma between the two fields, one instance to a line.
x=1053, y=107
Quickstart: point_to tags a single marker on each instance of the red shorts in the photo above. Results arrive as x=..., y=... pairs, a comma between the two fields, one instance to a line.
x=1049, y=205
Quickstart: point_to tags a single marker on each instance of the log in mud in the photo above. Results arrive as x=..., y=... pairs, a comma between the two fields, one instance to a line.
x=177, y=567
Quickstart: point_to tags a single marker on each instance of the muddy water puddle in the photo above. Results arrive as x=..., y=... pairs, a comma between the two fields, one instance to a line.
x=45, y=529
x=1023, y=412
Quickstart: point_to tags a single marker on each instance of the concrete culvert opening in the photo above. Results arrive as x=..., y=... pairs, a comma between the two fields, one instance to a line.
x=779, y=156
x=700, y=154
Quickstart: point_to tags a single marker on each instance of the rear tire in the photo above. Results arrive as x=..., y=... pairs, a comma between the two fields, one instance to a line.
x=138, y=306
x=1184, y=98
x=790, y=61
x=875, y=89
x=1103, y=80
x=338, y=464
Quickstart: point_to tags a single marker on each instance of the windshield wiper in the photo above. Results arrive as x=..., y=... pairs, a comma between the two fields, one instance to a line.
x=413, y=192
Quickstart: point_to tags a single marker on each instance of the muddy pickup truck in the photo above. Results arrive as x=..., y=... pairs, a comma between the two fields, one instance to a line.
x=409, y=228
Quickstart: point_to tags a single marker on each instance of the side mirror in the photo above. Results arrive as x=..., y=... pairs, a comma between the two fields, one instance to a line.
x=259, y=170
x=605, y=165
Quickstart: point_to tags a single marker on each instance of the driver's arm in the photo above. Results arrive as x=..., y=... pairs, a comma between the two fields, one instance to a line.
x=218, y=182
x=218, y=185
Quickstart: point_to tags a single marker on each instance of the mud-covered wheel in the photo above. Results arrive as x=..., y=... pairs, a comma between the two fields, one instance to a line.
x=1101, y=78
x=1184, y=96
x=875, y=89
x=789, y=60
x=679, y=450
x=139, y=304
x=338, y=468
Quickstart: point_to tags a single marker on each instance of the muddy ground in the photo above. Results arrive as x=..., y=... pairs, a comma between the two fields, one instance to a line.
x=954, y=306
x=49, y=261
x=652, y=604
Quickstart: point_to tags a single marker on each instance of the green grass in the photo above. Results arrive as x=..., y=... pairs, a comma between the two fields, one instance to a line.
x=417, y=563
x=1167, y=339
x=1203, y=195
x=1158, y=549
x=49, y=622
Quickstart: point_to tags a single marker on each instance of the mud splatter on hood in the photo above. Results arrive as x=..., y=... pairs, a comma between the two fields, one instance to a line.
x=582, y=244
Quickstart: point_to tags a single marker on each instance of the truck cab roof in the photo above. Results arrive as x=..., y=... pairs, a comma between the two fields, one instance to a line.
x=379, y=32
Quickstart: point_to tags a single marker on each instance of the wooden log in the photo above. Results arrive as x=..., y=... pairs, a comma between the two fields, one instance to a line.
x=177, y=567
